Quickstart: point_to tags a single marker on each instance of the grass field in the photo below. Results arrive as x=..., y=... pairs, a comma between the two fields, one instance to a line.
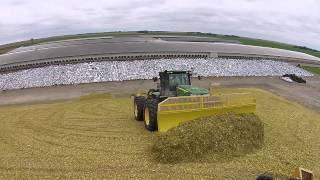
x=264, y=43
x=273, y=44
x=315, y=70
x=96, y=137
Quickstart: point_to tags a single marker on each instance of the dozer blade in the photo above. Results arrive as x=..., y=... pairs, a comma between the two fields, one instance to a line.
x=176, y=110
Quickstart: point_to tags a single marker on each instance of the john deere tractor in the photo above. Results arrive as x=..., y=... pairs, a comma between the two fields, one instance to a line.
x=172, y=84
x=175, y=101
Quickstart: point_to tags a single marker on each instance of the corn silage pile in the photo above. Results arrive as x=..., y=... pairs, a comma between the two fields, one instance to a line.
x=218, y=137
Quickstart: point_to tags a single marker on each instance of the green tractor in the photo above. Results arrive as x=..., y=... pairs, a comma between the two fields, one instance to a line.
x=172, y=84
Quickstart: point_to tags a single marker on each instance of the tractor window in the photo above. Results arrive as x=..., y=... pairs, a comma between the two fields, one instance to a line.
x=177, y=79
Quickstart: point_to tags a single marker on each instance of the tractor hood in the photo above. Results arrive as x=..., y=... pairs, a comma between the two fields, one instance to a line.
x=188, y=90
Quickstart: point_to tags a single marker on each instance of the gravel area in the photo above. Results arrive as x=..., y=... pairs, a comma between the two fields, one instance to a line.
x=142, y=69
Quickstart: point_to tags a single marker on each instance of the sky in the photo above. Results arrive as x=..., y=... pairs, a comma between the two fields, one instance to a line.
x=291, y=21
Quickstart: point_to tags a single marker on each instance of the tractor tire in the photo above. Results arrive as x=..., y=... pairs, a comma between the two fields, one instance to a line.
x=151, y=115
x=138, y=105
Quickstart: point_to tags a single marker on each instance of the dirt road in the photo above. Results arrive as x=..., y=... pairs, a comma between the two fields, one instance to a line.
x=305, y=94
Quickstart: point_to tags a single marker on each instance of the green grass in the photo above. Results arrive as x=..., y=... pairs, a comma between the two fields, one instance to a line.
x=314, y=70
x=272, y=44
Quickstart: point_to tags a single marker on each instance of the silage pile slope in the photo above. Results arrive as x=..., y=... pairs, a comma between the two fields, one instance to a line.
x=222, y=136
x=97, y=137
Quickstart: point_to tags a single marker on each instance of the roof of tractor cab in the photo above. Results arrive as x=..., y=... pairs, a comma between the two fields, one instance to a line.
x=176, y=72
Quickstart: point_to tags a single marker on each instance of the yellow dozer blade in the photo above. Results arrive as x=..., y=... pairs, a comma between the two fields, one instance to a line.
x=176, y=110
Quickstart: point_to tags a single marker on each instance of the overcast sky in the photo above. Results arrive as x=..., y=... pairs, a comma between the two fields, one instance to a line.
x=292, y=21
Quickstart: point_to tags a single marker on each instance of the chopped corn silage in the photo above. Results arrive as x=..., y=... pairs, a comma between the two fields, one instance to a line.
x=97, y=137
x=223, y=135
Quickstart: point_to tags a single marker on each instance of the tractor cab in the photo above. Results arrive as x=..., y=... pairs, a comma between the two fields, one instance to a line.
x=171, y=80
x=175, y=83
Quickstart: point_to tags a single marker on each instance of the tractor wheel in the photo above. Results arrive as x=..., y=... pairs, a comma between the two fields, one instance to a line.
x=150, y=115
x=139, y=103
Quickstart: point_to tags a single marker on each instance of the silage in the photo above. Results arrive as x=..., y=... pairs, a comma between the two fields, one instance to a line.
x=224, y=135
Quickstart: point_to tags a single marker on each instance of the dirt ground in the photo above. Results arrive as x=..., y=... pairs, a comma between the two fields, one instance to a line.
x=305, y=94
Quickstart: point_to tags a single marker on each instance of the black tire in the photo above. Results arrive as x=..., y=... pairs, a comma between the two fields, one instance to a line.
x=138, y=106
x=264, y=177
x=150, y=115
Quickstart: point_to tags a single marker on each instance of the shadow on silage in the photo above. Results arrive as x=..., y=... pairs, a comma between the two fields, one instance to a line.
x=215, y=138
